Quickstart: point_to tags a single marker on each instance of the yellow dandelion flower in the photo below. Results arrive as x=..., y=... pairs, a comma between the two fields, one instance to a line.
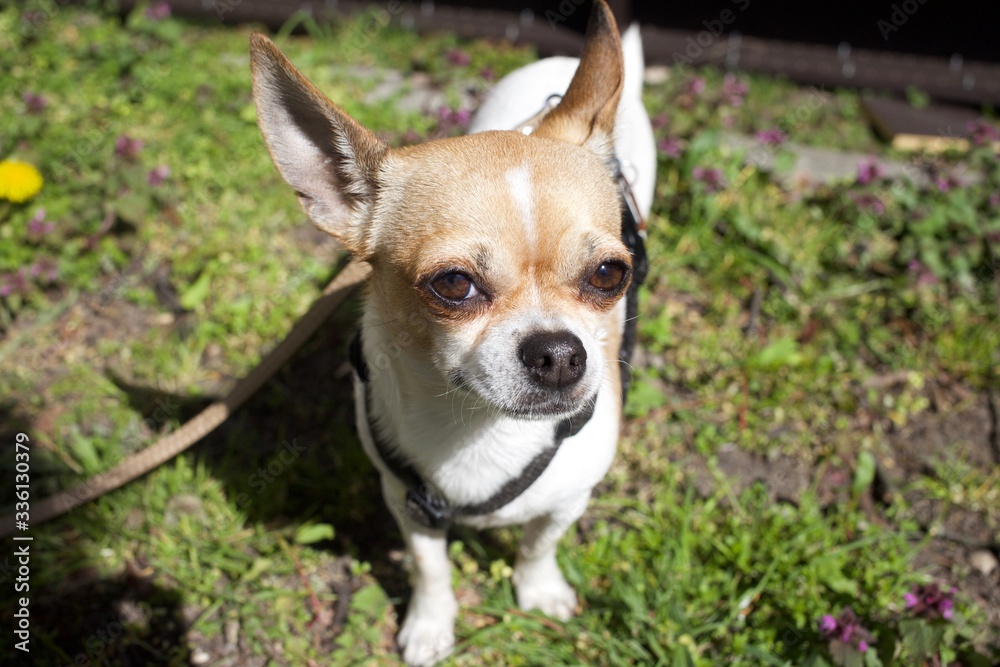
x=19, y=181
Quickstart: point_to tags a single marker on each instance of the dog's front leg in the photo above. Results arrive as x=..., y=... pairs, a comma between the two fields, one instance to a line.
x=428, y=633
x=537, y=579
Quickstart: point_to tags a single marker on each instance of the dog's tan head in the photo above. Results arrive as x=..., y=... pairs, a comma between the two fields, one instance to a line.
x=508, y=246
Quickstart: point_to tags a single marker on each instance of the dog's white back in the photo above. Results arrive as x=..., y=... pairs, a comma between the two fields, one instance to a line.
x=522, y=93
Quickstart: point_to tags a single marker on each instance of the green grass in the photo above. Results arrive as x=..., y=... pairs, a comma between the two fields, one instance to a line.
x=241, y=550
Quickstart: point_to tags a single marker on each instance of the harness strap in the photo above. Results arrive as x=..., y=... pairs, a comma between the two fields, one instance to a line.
x=431, y=509
x=633, y=233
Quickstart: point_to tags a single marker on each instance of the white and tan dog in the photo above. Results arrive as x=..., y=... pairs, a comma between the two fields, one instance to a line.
x=487, y=381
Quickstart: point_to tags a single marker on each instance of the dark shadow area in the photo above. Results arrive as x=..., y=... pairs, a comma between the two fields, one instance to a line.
x=75, y=617
x=123, y=621
x=156, y=405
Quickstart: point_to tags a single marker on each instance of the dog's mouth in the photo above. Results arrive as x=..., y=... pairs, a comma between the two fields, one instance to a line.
x=530, y=403
x=553, y=408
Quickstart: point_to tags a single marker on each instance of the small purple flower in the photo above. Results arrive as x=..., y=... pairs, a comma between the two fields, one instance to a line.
x=695, y=86
x=44, y=270
x=34, y=17
x=868, y=170
x=982, y=132
x=924, y=277
x=868, y=202
x=712, y=178
x=660, y=121
x=454, y=118
x=457, y=57
x=671, y=147
x=487, y=73
x=827, y=624
x=733, y=91
x=929, y=601
x=772, y=137
x=846, y=628
x=13, y=283
x=995, y=200
x=38, y=226
x=946, y=183
x=35, y=102
x=127, y=148
x=158, y=175
x=158, y=11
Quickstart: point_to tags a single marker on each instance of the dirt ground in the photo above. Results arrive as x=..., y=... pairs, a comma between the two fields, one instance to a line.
x=962, y=546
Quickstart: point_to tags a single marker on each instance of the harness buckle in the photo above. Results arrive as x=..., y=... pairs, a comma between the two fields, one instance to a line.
x=428, y=510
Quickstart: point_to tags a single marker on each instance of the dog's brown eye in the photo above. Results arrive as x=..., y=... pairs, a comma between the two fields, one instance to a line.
x=454, y=286
x=609, y=276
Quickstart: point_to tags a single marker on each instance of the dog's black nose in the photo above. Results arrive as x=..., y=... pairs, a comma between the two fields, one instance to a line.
x=554, y=359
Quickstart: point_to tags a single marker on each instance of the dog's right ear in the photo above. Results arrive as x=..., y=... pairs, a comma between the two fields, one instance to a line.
x=330, y=159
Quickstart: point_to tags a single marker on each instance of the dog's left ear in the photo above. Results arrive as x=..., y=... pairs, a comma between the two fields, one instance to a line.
x=586, y=114
x=330, y=159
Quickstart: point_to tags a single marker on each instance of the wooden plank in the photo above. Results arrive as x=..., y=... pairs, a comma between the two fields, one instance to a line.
x=968, y=81
x=934, y=128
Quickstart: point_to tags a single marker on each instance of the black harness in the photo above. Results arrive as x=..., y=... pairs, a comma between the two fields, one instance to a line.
x=428, y=507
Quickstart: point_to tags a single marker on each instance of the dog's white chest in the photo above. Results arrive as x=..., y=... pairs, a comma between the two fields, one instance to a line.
x=468, y=454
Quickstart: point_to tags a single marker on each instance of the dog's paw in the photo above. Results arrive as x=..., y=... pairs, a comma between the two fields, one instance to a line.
x=554, y=597
x=425, y=640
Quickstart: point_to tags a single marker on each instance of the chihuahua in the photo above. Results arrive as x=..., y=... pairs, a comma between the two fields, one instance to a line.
x=488, y=381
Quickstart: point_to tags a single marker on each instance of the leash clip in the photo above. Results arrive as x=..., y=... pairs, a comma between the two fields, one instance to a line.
x=528, y=126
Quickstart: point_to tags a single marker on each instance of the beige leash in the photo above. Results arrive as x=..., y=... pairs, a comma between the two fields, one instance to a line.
x=207, y=420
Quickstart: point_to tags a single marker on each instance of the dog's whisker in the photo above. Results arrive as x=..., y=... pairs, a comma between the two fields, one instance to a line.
x=627, y=364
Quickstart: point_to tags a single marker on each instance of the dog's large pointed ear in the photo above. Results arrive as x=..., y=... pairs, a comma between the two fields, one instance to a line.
x=330, y=159
x=586, y=114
